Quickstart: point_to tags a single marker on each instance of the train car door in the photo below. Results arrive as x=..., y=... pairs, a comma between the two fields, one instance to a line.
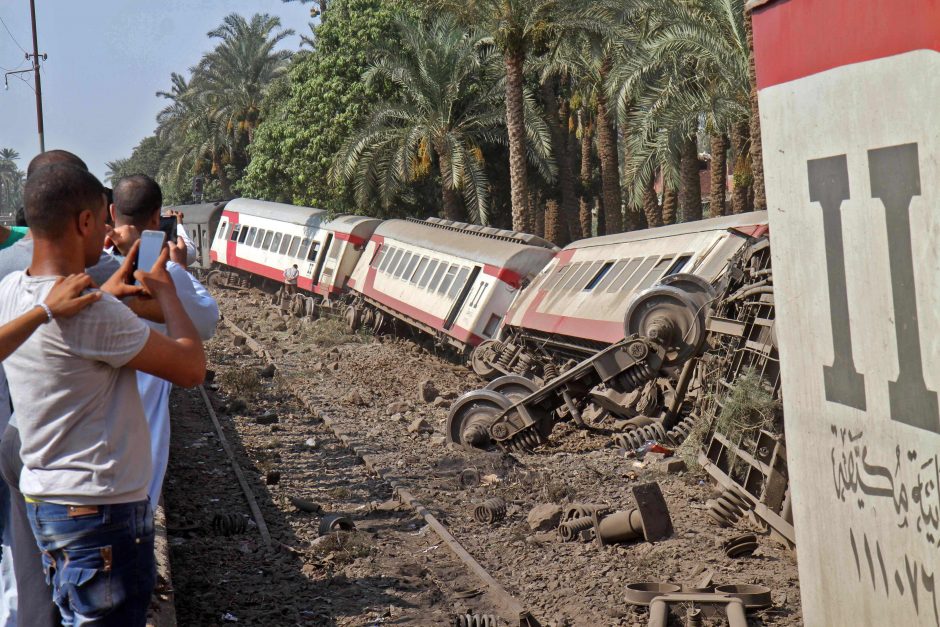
x=462, y=298
x=322, y=258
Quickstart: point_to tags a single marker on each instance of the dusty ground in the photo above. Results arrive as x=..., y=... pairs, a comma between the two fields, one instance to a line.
x=395, y=573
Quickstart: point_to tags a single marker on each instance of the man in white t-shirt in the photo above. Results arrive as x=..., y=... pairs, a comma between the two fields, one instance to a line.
x=290, y=280
x=85, y=444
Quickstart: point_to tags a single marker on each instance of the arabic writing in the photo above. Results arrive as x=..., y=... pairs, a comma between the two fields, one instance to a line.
x=909, y=483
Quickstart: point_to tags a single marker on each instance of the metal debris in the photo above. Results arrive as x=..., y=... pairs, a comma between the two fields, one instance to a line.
x=741, y=545
x=490, y=511
x=228, y=524
x=475, y=620
x=335, y=522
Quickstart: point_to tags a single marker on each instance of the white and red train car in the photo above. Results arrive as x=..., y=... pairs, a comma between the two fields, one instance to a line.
x=577, y=304
x=452, y=280
x=263, y=238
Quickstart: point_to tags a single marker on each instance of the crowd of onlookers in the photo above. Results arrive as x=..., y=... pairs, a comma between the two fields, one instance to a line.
x=90, y=346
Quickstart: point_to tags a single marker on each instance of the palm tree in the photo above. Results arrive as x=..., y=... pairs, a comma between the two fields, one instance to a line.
x=443, y=109
x=235, y=75
x=687, y=70
x=11, y=181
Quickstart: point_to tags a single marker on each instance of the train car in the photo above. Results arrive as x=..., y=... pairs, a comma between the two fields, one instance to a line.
x=201, y=221
x=849, y=95
x=577, y=304
x=452, y=280
x=257, y=239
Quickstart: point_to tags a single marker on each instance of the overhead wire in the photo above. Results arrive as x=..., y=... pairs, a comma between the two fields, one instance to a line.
x=7, y=29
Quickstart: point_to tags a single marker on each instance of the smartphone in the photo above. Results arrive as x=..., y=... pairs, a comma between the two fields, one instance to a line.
x=168, y=226
x=151, y=244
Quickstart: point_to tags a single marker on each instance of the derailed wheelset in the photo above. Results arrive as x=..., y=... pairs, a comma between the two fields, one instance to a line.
x=664, y=327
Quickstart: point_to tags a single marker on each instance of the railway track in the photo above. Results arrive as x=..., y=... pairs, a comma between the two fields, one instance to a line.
x=510, y=608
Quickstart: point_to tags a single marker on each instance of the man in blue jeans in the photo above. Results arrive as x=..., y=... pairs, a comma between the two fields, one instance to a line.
x=85, y=444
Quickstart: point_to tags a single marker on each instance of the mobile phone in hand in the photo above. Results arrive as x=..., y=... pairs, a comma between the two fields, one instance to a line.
x=168, y=226
x=151, y=244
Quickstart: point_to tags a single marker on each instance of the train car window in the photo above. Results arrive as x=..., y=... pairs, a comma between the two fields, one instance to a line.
x=572, y=276
x=640, y=274
x=275, y=242
x=259, y=238
x=251, y=236
x=419, y=271
x=222, y=231
x=304, y=247
x=394, y=260
x=387, y=259
x=586, y=274
x=285, y=243
x=476, y=300
x=404, y=262
x=448, y=279
x=410, y=269
x=676, y=267
x=267, y=240
x=235, y=229
x=611, y=275
x=625, y=275
x=438, y=275
x=379, y=255
x=600, y=274
x=655, y=274
x=556, y=276
x=492, y=325
x=243, y=235
x=458, y=283
x=294, y=245
x=428, y=273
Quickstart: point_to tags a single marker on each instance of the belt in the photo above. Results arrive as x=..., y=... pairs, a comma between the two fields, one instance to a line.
x=74, y=511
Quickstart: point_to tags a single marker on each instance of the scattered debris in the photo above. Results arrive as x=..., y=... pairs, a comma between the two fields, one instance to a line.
x=268, y=371
x=305, y=506
x=468, y=478
x=642, y=592
x=427, y=391
x=741, y=546
x=544, y=517
x=229, y=524
x=335, y=522
x=755, y=597
x=353, y=397
x=675, y=466
x=727, y=508
x=397, y=407
x=267, y=418
x=490, y=511
x=419, y=425
x=272, y=477
x=311, y=443
x=475, y=620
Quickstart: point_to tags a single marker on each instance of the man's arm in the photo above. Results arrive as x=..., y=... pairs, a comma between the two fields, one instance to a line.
x=178, y=356
x=198, y=303
x=191, y=252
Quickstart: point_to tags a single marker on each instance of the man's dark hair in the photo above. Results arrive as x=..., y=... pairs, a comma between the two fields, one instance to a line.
x=57, y=193
x=295, y=265
x=50, y=157
x=136, y=198
x=20, y=218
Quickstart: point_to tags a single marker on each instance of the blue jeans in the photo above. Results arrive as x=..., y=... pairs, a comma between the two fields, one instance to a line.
x=99, y=560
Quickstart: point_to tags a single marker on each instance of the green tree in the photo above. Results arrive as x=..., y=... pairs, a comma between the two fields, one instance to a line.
x=323, y=99
x=441, y=111
x=11, y=182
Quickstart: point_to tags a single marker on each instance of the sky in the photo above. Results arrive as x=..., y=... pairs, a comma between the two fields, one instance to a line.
x=107, y=59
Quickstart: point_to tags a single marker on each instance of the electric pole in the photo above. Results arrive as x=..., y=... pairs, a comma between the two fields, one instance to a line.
x=42, y=139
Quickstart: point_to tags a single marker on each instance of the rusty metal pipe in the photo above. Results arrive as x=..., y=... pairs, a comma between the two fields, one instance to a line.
x=659, y=607
x=620, y=526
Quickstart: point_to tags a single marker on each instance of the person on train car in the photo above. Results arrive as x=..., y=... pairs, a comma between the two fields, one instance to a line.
x=290, y=280
x=85, y=444
x=136, y=208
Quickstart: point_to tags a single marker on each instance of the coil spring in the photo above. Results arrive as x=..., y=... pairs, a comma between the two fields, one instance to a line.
x=569, y=530
x=549, y=371
x=505, y=357
x=681, y=430
x=727, y=508
x=525, y=441
x=228, y=524
x=490, y=511
x=475, y=620
x=635, y=376
x=524, y=363
x=637, y=437
x=580, y=510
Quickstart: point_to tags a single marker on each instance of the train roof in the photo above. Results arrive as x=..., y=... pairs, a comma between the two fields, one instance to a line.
x=722, y=223
x=489, y=232
x=354, y=225
x=468, y=244
x=199, y=213
x=303, y=216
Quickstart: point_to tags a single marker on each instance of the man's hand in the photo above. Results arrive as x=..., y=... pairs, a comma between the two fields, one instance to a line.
x=158, y=281
x=122, y=238
x=120, y=284
x=178, y=252
x=65, y=299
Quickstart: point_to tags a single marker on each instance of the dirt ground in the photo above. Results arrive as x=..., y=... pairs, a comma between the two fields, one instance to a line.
x=394, y=570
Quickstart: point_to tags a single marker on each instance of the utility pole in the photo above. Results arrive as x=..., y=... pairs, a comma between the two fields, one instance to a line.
x=42, y=139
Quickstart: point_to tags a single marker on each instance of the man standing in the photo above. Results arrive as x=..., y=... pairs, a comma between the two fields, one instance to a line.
x=85, y=445
x=137, y=202
x=290, y=280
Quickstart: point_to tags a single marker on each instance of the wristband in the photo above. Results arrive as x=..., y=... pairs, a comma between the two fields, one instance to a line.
x=48, y=311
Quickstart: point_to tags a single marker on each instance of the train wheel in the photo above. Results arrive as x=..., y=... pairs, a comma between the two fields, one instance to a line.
x=214, y=279
x=297, y=306
x=310, y=308
x=471, y=415
x=482, y=357
x=513, y=386
x=378, y=321
x=368, y=315
x=353, y=318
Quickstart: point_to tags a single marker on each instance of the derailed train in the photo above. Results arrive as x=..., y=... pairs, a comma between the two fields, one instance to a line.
x=524, y=312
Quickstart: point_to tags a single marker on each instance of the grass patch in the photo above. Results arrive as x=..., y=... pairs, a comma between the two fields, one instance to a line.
x=330, y=332
x=243, y=382
x=342, y=548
